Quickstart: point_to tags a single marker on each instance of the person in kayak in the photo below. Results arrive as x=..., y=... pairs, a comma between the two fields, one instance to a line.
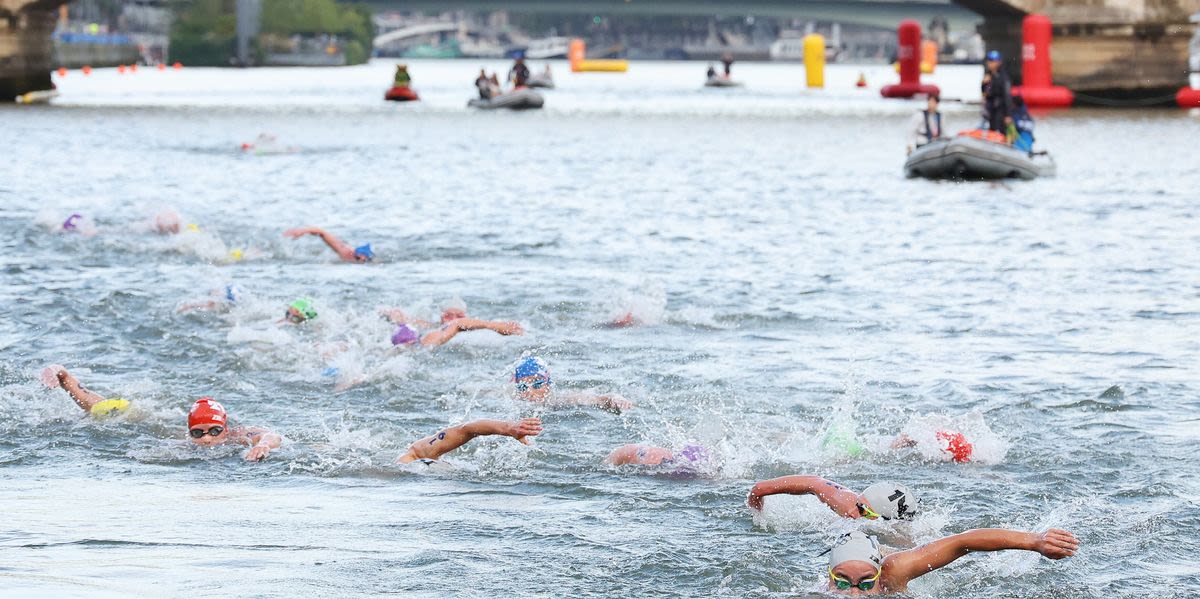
x=857, y=565
x=360, y=254
x=727, y=60
x=886, y=500
x=402, y=77
x=532, y=383
x=454, y=320
x=997, y=94
x=925, y=126
x=519, y=74
x=428, y=450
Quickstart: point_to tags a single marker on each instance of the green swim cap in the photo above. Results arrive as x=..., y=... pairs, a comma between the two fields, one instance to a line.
x=304, y=306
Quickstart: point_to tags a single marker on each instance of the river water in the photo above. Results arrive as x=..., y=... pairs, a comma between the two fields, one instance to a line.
x=789, y=280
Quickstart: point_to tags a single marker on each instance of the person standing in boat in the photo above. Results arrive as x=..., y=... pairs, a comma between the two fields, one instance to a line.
x=926, y=125
x=997, y=94
x=519, y=74
x=727, y=60
x=402, y=77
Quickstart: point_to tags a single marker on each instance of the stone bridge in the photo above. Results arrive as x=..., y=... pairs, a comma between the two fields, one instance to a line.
x=26, y=52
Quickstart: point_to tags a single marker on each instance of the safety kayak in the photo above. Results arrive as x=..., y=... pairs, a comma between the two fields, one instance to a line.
x=966, y=157
x=518, y=99
x=720, y=81
x=400, y=93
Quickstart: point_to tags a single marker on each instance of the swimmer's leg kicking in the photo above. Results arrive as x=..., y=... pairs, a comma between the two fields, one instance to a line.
x=435, y=446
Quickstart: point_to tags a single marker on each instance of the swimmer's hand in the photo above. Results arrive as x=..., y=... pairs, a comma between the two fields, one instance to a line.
x=509, y=328
x=754, y=501
x=1056, y=543
x=615, y=403
x=50, y=375
x=527, y=427
x=258, y=452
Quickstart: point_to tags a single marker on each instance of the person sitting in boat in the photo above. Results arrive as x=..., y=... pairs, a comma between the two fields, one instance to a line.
x=712, y=71
x=997, y=94
x=727, y=60
x=926, y=125
x=484, y=84
x=519, y=74
x=402, y=77
x=1024, y=125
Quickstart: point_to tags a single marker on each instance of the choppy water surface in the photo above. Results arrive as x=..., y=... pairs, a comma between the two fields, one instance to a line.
x=791, y=279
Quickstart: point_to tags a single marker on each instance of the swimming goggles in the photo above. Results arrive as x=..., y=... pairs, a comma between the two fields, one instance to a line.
x=867, y=512
x=294, y=318
x=198, y=433
x=865, y=584
x=537, y=384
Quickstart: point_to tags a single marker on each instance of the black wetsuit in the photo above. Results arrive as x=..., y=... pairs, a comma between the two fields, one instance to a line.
x=997, y=100
x=519, y=74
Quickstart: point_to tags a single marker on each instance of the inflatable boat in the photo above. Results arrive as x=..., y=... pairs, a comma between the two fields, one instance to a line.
x=541, y=80
x=720, y=81
x=970, y=157
x=518, y=99
x=401, y=94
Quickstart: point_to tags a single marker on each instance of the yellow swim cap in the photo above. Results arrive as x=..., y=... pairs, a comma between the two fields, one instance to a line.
x=193, y=227
x=236, y=254
x=109, y=407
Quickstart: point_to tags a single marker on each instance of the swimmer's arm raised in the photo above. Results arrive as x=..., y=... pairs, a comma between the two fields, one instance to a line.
x=445, y=441
x=841, y=500
x=456, y=326
x=343, y=249
x=84, y=398
x=903, y=566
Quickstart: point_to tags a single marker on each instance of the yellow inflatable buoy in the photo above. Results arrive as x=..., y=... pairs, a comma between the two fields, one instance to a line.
x=109, y=407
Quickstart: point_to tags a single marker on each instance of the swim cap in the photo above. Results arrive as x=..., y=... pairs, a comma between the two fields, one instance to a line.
x=304, y=305
x=233, y=293
x=891, y=501
x=206, y=410
x=109, y=407
x=855, y=546
x=531, y=366
x=994, y=55
x=404, y=335
x=956, y=444
x=365, y=251
x=193, y=228
x=695, y=453
x=69, y=224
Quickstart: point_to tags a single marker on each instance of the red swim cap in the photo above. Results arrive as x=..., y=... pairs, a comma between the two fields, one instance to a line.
x=206, y=410
x=956, y=443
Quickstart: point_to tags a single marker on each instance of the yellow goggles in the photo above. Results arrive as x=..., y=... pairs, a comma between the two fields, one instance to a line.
x=865, y=584
x=867, y=512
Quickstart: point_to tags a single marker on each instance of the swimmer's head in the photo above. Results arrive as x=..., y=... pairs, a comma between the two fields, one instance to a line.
x=691, y=460
x=888, y=500
x=301, y=310
x=233, y=293
x=453, y=310
x=955, y=444
x=364, y=253
x=207, y=422
x=532, y=379
x=695, y=454
x=855, y=563
x=72, y=222
x=166, y=222
x=404, y=335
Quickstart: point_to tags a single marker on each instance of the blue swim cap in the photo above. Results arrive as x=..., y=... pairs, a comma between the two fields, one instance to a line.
x=233, y=293
x=531, y=366
x=994, y=55
x=365, y=251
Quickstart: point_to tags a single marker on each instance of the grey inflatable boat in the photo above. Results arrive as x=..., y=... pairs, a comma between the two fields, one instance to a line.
x=542, y=80
x=520, y=99
x=721, y=81
x=972, y=158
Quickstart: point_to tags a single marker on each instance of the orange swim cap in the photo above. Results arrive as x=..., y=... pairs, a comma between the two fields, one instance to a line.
x=956, y=443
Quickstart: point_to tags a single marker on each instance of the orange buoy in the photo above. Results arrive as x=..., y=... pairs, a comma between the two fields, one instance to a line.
x=162, y=67
x=121, y=69
x=133, y=68
x=1188, y=97
x=1038, y=89
x=178, y=65
x=862, y=80
x=909, y=41
x=62, y=71
x=87, y=70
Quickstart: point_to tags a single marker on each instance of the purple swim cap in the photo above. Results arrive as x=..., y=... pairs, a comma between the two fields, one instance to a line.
x=404, y=335
x=69, y=224
x=694, y=453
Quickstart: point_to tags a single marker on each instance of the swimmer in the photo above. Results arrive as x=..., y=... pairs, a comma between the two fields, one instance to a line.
x=56, y=375
x=952, y=444
x=454, y=321
x=857, y=566
x=886, y=500
x=207, y=426
x=78, y=223
x=429, y=449
x=299, y=311
x=360, y=254
x=167, y=222
x=532, y=383
x=690, y=458
x=224, y=299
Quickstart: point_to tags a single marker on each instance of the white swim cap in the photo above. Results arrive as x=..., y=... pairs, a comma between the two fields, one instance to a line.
x=892, y=501
x=855, y=547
